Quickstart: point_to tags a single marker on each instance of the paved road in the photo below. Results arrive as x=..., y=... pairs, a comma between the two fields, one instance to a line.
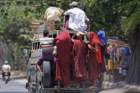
x=14, y=86
x=114, y=91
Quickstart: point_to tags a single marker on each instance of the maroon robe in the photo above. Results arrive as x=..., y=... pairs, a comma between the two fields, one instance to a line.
x=94, y=57
x=79, y=53
x=64, y=49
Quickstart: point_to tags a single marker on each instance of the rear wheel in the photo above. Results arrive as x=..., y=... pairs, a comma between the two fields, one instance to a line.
x=46, y=80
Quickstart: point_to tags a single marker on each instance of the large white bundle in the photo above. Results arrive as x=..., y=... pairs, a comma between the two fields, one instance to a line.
x=53, y=14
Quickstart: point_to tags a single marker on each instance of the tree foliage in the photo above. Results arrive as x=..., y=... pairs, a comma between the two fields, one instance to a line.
x=16, y=17
x=110, y=14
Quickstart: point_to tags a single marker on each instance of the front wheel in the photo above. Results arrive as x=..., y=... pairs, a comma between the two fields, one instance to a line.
x=6, y=81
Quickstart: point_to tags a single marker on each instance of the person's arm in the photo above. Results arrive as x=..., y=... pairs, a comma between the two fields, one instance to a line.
x=87, y=19
x=96, y=47
x=38, y=65
x=55, y=50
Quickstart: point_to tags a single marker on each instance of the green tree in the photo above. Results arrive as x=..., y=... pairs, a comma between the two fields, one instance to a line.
x=14, y=28
x=131, y=26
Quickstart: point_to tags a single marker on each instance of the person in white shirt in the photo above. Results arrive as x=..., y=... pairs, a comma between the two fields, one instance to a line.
x=77, y=18
x=6, y=68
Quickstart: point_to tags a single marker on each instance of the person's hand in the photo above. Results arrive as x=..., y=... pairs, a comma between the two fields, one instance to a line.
x=96, y=49
x=55, y=51
x=91, y=47
x=54, y=54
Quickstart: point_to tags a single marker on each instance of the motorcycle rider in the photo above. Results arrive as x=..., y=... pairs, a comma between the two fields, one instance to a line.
x=6, y=68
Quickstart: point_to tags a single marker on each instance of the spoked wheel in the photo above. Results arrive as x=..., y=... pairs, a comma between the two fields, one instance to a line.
x=38, y=89
x=6, y=79
x=31, y=89
x=39, y=86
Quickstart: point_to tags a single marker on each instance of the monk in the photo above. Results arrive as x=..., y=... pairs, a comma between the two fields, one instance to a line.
x=64, y=49
x=79, y=54
x=94, y=57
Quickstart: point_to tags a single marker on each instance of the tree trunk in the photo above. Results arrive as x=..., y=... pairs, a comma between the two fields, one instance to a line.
x=134, y=68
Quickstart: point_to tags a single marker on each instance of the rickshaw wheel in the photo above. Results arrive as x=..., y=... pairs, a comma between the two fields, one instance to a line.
x=46, y=78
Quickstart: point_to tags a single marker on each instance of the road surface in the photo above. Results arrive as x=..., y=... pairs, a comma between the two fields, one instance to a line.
x=114, y=91
x=14, y=86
